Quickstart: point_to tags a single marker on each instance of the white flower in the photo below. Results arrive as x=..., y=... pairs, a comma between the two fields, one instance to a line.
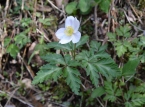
x=70, y=32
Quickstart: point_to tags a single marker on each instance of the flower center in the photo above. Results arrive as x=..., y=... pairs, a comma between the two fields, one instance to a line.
x=69, y=31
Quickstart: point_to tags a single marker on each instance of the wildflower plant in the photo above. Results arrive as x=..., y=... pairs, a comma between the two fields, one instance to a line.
x=70, y=32
x=94, y=60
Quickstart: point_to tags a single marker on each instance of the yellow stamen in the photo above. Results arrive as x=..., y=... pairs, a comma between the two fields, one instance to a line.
x=69, y=31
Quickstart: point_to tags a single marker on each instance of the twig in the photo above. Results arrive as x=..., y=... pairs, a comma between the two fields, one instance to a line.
x=86, y=20
x=34, y=10
x=15, y=97
x=130, y=22
x=23, y=3
x=54, y=6
x=100, y=102
x=109, y=21
x=27, y=66
x=7, y=6
x=10, y=96
x=42, y=33
x=96, y=23
x=106, y=103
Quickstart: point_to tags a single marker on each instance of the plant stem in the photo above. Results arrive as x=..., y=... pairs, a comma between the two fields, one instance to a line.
x=74, y=51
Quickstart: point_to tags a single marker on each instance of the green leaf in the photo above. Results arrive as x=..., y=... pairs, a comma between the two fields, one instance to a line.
x=142, y=41
x=83, y=40
x=93, y=73
x=7, y=40
x=25, y=22
x=120, y=48
x=57, y=45
x=46, y=21
x=142, y=58
x=47, y=72
x=97, y=46
x=98, y=1
x=125, y=29
x=70, y=62
x=54, y=59
x=71, y=7
x=140, y=88
x=41, y=48
x=84, y=5
x=21, y=39
x=112, y=91
x=72, y=79
x=104, y=5
x=118, y=31
x=134, y=99
x=112, y=36
x=107, y=67
x=95, y=63
x=98, y=92
x=13, y=50
x=130, y=67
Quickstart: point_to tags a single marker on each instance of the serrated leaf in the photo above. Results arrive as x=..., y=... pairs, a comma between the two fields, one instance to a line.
x=57, y=45
x=54, y=59
x=111, y=98
x=21, y=39
x=83, y=40
x=72, y=79
x=13, y=50
x=129, y=67
x=47, y=72
x=118, y=31
x=141, y=88
x=99, y=91
x=120, y=48
x=93, y=73
x=70, y=62
x=128, y=104
x=112, y=91
x=71, y=7
x=25, y=22
x=94, y=64
x=125, y=29
x=97, y=46
x=107, y=67
x=112, y=36
x=137, y=100
x=127, y=34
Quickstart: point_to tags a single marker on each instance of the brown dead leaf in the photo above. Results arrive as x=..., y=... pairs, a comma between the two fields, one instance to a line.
x=131, y=16
x=27, y=82
x=43, y=8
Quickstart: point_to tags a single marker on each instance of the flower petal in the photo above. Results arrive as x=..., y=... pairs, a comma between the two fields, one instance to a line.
x=65, y=39
x=76, y=37
x=69, y=21
x=60, y=33
x=76, y=25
